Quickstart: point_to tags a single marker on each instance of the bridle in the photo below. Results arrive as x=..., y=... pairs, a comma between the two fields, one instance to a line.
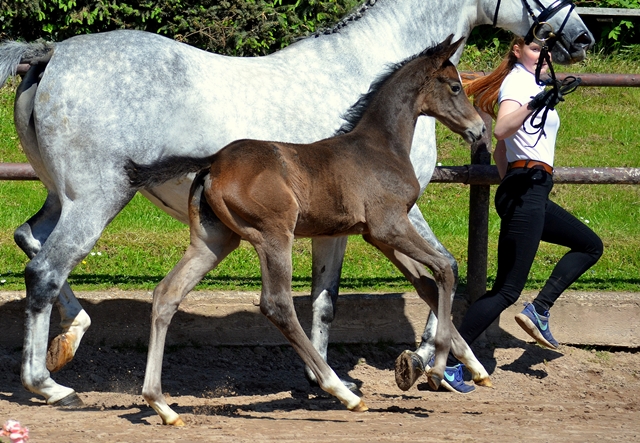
x=541, y=24
x=537, y=32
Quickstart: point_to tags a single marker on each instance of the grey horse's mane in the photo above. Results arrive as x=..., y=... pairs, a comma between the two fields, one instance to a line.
x=355, y=112
x=356, y=14
x=353, y=16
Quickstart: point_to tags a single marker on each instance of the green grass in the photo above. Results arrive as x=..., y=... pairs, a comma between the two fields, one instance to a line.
x=600, y=127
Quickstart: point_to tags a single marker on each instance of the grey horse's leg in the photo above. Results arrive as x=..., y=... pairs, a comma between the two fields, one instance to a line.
x=80, y=225
x=211, y=242
x=411, y=364
x=74, y=320
x=31, y=235
x=328, y=254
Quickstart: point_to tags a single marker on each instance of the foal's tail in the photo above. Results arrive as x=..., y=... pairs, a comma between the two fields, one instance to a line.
x=165, y=169
x=13, y=54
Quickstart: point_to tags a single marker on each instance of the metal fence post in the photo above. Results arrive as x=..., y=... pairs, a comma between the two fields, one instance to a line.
x=479, y=217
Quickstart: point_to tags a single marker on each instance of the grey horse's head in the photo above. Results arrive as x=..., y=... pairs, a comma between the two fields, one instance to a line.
x=558, y=21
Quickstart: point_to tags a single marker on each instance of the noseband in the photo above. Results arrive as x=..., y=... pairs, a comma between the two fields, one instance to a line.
x=547, y=40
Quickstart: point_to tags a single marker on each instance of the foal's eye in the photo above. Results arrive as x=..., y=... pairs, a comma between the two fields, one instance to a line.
x=456, y=88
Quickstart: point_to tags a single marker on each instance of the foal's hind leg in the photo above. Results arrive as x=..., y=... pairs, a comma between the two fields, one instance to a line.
x=211, y=242
x=74, y=321
x=407, y=374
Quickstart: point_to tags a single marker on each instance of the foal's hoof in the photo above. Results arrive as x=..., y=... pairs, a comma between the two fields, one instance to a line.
x=60, y=353
x=348, y=384
x=70, y=401
x=409, y=368
x=361, y=407
x=434, y=381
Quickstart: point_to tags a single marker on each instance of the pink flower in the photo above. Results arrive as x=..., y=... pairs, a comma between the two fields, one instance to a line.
x=15, y=432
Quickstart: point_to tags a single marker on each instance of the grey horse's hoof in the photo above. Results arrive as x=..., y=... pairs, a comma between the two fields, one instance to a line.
x=409, y=368
x=70, y=401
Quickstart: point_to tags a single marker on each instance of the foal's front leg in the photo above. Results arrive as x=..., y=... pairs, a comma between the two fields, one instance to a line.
x=402, y=237
x=410, y=364
x=408, y=370
x=276, y=304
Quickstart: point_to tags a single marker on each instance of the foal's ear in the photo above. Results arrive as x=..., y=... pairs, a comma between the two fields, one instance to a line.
x=448, y=48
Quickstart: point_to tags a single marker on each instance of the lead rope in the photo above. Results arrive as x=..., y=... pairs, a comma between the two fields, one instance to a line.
x=553, y=95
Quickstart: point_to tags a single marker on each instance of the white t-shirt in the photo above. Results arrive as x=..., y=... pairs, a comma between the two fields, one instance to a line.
x=520, y=85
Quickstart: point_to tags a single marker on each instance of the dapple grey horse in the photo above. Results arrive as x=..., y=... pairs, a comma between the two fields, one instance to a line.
x=92, y=101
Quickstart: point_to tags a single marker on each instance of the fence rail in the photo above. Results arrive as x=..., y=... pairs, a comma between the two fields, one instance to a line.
x=468, y=175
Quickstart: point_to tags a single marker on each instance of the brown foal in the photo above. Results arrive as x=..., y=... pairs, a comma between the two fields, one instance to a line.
x=359, y=182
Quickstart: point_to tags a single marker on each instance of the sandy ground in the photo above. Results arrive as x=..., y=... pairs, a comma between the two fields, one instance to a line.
x=260, y=394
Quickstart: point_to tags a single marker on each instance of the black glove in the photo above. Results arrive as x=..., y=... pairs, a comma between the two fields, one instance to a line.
x=551, y=97
x=546, y=99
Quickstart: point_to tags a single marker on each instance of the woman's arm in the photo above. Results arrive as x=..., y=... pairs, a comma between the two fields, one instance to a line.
x=511, y=116
x=500, y=157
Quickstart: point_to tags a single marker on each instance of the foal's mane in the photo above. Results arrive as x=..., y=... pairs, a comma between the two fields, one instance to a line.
x=354, y=114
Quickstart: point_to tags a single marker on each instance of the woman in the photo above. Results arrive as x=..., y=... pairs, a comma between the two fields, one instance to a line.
x=524, y=157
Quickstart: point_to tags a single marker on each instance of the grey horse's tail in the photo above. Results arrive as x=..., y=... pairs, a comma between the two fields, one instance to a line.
x=14, y=53
x=165, y=169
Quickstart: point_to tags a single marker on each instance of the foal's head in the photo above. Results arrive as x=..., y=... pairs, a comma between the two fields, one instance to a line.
x=441, y=93
x=425, y=84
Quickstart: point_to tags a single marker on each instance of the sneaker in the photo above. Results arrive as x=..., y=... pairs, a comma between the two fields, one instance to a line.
x=537, y=326
x=453, y=379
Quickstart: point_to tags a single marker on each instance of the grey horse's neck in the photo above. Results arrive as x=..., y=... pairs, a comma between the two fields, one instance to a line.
x=414, y=25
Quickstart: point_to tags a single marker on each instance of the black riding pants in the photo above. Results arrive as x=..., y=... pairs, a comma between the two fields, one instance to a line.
x=528, y=216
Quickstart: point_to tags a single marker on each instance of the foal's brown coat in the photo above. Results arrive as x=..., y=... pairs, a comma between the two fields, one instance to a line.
x=361, y=182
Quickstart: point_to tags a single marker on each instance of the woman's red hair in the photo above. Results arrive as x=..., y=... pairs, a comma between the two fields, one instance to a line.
x=485, y=89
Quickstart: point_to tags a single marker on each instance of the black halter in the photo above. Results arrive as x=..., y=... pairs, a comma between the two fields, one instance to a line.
x=542, y=31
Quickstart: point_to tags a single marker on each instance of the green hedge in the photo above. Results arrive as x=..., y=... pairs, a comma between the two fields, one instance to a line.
x=233, y=27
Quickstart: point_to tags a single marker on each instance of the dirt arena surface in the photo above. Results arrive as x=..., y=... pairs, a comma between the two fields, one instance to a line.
x=260, y=394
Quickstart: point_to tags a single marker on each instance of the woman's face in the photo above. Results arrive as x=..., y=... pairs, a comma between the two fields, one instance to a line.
x=528, y=55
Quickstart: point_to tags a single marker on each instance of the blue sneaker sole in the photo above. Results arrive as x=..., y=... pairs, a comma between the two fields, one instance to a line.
x=531, y=329
x=450, y=388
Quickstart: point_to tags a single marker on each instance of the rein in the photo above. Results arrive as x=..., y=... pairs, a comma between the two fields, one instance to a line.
x=540, y=23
